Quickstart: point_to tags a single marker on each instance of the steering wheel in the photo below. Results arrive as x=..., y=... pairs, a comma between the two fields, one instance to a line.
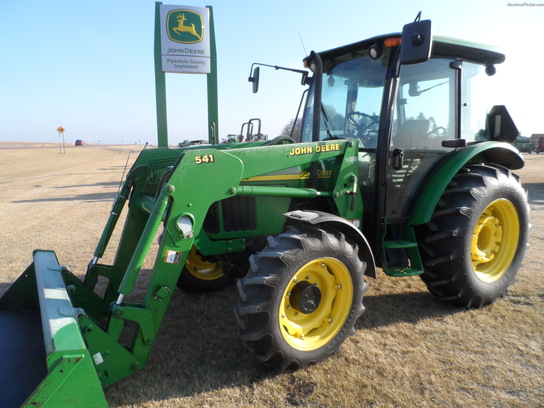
x=365, y=124
x=359, y=118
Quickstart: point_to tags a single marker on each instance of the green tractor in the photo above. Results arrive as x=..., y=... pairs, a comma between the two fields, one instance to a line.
x=524, y=144
x=394, y=168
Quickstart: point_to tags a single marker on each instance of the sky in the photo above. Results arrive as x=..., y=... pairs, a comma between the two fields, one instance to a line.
x=88, y=66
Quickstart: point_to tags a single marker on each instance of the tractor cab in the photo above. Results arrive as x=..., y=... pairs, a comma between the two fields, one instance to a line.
x=410, y=115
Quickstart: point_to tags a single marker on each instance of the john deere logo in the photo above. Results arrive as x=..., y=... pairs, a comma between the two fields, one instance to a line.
x=184, y=26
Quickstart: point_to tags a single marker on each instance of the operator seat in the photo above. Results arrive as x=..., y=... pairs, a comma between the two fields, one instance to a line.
x=413, y=134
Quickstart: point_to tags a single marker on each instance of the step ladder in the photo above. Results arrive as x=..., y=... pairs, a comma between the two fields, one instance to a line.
x=401, y=257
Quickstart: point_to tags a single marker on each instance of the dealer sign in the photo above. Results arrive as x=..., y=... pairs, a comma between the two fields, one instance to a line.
x=185, y=39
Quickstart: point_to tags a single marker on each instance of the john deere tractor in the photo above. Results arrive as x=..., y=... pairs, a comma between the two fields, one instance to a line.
x=401, y=164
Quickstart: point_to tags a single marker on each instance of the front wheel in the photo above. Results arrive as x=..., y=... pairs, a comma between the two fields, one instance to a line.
x=202, y=275
x=475, y=242
x=301, y=297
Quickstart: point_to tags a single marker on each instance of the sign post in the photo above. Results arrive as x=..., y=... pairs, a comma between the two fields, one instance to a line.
x=184, y=43
x=160, y=84
x=213, y=109
x=60, y=129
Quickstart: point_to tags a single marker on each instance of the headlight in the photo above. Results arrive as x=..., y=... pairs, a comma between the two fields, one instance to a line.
x=185, y=225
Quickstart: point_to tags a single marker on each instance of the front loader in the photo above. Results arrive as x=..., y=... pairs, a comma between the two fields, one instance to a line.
x=395, y=167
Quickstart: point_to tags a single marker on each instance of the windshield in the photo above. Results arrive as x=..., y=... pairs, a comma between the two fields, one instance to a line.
x=351, y=100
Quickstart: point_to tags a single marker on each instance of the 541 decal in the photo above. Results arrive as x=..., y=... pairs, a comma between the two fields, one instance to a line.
x=206, y=158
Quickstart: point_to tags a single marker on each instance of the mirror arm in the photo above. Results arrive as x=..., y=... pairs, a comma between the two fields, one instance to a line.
x=254, y=75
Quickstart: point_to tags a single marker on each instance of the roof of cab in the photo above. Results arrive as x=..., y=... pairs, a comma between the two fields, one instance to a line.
x=441, y=47
x=466, y=50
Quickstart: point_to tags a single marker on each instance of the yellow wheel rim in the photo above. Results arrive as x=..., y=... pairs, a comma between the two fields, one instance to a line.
x=202, y=269
x=495, y=240
x=326, y=287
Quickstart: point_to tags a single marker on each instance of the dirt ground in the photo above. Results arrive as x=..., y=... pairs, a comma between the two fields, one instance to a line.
x=409, y=349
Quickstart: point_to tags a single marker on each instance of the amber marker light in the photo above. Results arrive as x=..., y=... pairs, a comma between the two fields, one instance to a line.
x=392, y=42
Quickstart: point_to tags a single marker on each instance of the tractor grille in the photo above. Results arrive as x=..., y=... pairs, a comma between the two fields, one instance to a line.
x=238, y=215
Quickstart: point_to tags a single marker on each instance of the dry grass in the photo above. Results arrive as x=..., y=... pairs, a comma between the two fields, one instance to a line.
x=409, y=350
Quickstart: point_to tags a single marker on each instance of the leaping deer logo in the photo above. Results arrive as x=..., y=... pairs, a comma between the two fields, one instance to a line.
x=182, y=28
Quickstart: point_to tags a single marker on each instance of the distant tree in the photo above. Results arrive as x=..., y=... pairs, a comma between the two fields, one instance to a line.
x=286, y=131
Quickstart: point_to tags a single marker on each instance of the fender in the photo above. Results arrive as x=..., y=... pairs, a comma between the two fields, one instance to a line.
x=500, y=153
x=342, y=225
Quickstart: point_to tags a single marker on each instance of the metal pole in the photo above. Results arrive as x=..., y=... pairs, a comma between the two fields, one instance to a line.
x=213, y=110
x=160, y=83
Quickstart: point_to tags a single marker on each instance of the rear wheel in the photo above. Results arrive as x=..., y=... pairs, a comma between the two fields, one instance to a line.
x=475, y=242
x=301, y=297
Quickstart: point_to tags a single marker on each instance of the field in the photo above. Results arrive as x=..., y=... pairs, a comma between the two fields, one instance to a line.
x=409, y=350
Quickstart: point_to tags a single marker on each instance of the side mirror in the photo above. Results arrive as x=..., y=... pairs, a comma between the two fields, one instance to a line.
x=255, y=79
x=416, y=41
x=500, y=125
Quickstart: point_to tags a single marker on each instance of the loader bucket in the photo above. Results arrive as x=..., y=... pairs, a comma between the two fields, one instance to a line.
x=43, y=358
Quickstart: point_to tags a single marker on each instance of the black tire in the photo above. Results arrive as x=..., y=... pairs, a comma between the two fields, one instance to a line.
x=475, y=242
x=201, y=275
x=301, y=297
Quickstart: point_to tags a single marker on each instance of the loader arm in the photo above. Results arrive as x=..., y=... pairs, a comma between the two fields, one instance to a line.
x=199, y=178
x=168, y=193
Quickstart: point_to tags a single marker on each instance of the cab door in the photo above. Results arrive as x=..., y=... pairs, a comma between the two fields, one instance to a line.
x=424, y=116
